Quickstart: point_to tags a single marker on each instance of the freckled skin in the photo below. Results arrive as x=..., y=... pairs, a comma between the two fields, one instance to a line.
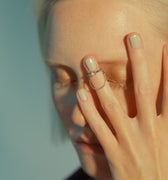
x=81, y=27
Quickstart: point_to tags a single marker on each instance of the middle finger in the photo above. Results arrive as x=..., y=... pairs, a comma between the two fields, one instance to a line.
x=109, y=103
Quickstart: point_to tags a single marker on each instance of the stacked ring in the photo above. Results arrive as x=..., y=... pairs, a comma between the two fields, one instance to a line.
x=94, y=73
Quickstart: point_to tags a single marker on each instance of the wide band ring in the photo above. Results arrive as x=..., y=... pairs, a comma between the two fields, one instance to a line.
x=94, y=73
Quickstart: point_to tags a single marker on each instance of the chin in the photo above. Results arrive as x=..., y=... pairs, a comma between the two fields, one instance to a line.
x=95, y=165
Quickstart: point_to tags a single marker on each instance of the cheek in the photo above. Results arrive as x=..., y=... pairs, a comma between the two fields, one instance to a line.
x=65, y=106
x=70, y=115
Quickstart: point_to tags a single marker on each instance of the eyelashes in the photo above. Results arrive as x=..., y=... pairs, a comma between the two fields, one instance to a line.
x=74, y=84
x=123, y=85
x=59, y=84
x=71, y=81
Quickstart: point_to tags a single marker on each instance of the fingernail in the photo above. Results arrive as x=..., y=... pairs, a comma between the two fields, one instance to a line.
x=82, y=94
x=135, y=41
x=90, y=64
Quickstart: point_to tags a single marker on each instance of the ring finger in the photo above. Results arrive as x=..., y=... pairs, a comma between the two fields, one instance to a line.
x=143, y=87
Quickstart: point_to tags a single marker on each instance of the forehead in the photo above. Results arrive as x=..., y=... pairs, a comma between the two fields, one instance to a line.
x=81, y=27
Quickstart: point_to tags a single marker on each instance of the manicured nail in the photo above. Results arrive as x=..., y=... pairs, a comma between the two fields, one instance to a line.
x=82, y=95
x=135, y=41
x=90, y=64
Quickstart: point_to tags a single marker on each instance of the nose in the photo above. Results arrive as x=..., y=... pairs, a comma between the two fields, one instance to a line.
x=80, y=126
x=77, y=117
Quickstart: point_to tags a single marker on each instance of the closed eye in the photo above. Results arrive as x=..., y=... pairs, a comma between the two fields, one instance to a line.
x=72, y=81
x=123, y=85
x=67, y=83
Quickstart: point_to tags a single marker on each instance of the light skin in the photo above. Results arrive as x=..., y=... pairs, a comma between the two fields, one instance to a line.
x=101, y=29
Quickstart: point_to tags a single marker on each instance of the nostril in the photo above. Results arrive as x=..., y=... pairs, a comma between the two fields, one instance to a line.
x=88, y=133
x=75, y=131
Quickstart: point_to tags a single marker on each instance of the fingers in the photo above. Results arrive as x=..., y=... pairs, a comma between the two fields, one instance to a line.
x=164, y=108
x=143, y=87
x=143, y=90
x=108, y=101
x=97, y=124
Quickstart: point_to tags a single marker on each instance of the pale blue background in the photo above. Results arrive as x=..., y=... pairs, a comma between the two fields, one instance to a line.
x=29, y=148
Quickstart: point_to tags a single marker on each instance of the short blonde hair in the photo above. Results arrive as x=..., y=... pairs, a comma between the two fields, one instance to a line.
x=42, y=9
x=156, y=14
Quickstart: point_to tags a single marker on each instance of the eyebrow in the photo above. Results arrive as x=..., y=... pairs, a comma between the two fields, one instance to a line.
x=55, y=64
x=103, y=62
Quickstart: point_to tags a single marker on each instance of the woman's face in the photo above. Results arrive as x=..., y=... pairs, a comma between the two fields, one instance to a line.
x=77, y=28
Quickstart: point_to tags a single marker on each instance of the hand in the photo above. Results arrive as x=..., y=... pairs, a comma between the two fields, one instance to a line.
x=140, y=148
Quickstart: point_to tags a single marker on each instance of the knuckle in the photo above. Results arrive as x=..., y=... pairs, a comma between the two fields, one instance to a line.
x=152, y=134
x=154, y=141
x=109, y=104
x=97, y=128
x=144, y=89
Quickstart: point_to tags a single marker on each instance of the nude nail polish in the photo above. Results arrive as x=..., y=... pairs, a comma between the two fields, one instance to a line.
x=82, y=94
x=90, y=64
x=135, y=41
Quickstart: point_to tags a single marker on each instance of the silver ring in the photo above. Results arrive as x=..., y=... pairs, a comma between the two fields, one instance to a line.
x=94, y=73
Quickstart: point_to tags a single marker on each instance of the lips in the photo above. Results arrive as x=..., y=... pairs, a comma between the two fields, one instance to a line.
x=88, y=147
x=87, y=141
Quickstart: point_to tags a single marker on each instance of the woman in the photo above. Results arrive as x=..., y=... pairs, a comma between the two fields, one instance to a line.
x=109, y=63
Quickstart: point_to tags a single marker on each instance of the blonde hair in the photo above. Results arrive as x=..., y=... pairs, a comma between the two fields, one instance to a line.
x=42, y=9
x=156, y=13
